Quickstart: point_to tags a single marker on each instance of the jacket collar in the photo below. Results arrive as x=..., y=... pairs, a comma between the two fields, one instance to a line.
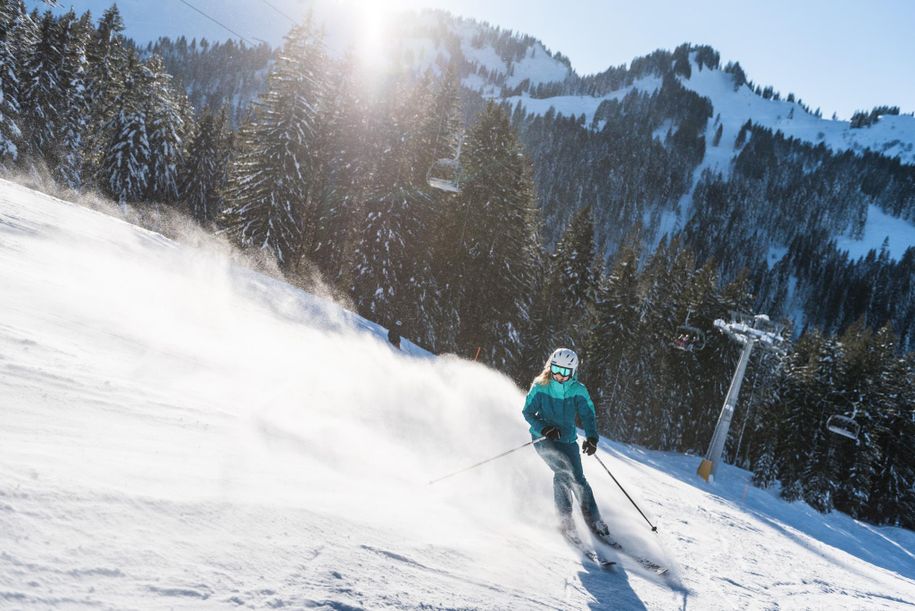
x=557, y=388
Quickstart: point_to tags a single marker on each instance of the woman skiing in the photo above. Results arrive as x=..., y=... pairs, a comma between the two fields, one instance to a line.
x=555, y=398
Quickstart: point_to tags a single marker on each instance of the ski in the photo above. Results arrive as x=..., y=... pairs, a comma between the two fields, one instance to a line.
x=587, y=552
x=643, y=562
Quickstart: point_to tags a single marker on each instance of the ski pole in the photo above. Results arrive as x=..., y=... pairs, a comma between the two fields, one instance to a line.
x=483, y=462
x=653, y=527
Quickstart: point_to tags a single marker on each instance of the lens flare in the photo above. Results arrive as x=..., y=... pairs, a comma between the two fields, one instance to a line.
x=373, y=19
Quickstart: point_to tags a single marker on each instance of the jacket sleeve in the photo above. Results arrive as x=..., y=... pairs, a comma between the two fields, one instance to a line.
x=531, y=410
x=586, y=413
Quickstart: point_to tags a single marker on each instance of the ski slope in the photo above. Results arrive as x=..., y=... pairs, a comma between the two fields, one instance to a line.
x=179, y=431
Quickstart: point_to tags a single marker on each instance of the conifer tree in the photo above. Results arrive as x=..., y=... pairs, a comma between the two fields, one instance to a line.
x=107, y=76
x=42, y=100
x=611, y=342
x=390, y=267
x=493, y=235
x=566, y=302
x=73, y=36
x=124, y=169
x=165, y=119
x=345, y=166
x=439, y=137
x=203, y=172
x=271, y=193
x=385, y=253
x=811, y=376
x=14, y=25
x=892, y=495
x=440, y=123
x=864, y=362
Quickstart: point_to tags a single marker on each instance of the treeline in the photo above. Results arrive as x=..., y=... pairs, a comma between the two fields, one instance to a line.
x=322, y=176
x=860, y=375
x=632, y=170
x=216, y=75
x=774, y=214
x=78, y=101
x=785, y=192
x=646, y=391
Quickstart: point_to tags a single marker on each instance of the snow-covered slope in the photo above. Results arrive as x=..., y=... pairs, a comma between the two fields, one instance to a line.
x=893, y=136
x=578, y=105
x=176, y=430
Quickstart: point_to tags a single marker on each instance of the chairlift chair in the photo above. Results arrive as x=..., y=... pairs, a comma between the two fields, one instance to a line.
x=846, y=426
x=443, y=175
x=688, y=337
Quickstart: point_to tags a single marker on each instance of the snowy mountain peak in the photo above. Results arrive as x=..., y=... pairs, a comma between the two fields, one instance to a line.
x=735, y=103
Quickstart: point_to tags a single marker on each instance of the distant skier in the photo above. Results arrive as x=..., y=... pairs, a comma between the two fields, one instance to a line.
x=555, y=398
x=394, y=334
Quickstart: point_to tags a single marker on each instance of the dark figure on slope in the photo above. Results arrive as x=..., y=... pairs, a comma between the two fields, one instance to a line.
x=394, y=334
x=555, y=398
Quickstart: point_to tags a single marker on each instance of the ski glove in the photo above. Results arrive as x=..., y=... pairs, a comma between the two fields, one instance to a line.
x=589, y=446
x=551, y=432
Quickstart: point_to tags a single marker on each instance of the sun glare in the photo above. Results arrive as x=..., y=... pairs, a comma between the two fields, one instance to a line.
x=373, y=20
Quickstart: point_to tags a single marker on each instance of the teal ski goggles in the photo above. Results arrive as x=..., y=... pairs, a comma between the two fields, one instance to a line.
x=563, y=371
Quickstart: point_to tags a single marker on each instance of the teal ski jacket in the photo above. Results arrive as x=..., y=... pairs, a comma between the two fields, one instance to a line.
x=557, y=404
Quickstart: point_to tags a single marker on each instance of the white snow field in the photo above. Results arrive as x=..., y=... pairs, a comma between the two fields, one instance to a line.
x=177, y=431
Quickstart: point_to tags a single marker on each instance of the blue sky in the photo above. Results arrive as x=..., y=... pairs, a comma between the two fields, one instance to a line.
x=838, y=55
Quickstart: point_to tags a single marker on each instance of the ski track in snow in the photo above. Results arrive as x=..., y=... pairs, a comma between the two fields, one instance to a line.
x=178, y=431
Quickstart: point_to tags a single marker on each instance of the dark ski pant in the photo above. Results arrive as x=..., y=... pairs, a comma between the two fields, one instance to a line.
x=568, y=478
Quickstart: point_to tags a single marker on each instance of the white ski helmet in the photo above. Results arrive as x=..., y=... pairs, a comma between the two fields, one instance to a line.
x=565, y=357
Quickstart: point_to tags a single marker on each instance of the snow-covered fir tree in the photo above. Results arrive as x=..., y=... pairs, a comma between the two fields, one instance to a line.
x=390, y=254
x=165, y=110
x=42, y=99
x=15, y=27
x=124, y=171
x=107, y=57
x=567, y=300
x=892, y=493
x=385, y=253
x=272, y=182
x=862, y=388
x=611, y=339
x=203, y=173
x=492, y=234
x=73, y=122
x=345, y=167
x=441, y=122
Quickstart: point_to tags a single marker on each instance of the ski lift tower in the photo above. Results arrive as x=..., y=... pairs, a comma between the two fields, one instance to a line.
x=749, y=332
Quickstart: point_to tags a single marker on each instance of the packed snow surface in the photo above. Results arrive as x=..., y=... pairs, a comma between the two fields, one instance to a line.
x=179, y=431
